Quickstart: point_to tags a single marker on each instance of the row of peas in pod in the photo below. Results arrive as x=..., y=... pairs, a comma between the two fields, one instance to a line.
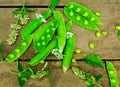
x=46, y=41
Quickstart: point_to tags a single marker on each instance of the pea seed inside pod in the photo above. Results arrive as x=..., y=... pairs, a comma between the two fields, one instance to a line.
x=17, y=50
x=85, y=14
x=43, y=43
x=71, y=6
x=11, y=56
x=24, y=43
x=71, y=13
x=78, y=18
x=42, y=37
x=78, y=9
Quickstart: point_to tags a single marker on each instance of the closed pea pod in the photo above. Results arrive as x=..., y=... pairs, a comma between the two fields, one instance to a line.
x=79, y=20
x=84, y=11
x=68, y=53
x=61, y=30
x=19, y=50
x=46, y=36
x=41, y=56
x=112, y=74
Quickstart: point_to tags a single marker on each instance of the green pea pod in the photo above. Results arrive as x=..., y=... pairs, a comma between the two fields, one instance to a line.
x=79, y=20
x=68, y=26
x=68, y=53
x=112, y=74
x=19, y=50
x=119, y=34
x=54, y=3
x=84, y=11
x=41, y=56
x=30, y=28
x=61, y=30
x=45, y=36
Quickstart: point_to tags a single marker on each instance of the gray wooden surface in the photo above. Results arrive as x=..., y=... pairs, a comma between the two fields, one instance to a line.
x=108, y=47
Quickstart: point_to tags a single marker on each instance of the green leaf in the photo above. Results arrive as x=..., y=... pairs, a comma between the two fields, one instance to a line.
x=21, y=81
x=54, y=3
x=29, y=10
x=94, y=60
x=20, y=67
x=17, y=11
x=27, y=73
x=99, y=77
x=87, y=75
x=91, y=85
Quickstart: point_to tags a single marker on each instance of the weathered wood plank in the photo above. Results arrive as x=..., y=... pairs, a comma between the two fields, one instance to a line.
x=59, y=79
x=107, y=47
x=61, y=2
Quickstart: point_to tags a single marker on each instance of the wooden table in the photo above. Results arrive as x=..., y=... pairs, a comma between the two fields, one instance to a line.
x=108, y=47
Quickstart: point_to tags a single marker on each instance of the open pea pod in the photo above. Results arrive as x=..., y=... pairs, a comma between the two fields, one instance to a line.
x=30, y=28
x=84, y=11
x=61, y=30
x=44, y=35
x=19, y=50
x=79, y=20
x=41, y=56
x=112, y=74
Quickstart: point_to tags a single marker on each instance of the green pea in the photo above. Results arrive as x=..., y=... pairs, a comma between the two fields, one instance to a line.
x=84, y=11
x=104, y=32
x=61, y=30
x=30, y=28
x=79, y=20
x=19, y=50
x=73, y=60
x=47, y=36
x=41, y=56
x=117, y=27
x=112, y=74
x=78, y=50
x=97, y=34
x=91, y=45
x=68, y=53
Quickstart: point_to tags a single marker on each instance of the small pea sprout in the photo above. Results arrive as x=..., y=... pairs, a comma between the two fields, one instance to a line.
x=89, y=80
x=40, y=16
x=97, y=34
x=57, y=53
x=69, y=35
x=91, y=45
x=78, y=50
x=104, y=32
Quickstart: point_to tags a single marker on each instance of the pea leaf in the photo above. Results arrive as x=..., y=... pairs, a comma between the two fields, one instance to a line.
x=54, y=3
x=21, y=81
x=99, y=77
x=29, y=10
x=16, y=11
x=94, y=60
x=20, y=67
x=27, y=73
